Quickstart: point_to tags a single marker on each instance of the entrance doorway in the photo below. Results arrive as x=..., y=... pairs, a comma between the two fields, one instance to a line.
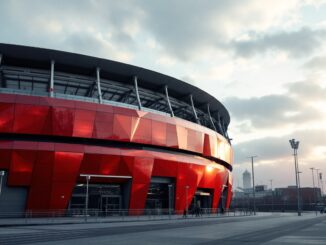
x=202, y=201
x=110, y=203
x=103, y=199
x=160, y=196
x=222, y=202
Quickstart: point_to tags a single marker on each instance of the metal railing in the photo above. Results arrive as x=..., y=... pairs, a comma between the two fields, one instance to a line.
x=118, y=215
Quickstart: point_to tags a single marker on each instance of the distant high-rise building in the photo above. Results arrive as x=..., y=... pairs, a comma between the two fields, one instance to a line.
x=246, y=176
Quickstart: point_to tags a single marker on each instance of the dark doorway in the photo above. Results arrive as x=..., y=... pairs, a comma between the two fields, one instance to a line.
x=202, y=199
x=160, y=195
x=103, y=199
x=222, y=201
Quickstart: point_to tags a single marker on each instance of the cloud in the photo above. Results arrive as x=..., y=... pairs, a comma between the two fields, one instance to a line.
x=317, y=63
x=271, y=111
x=278, y=147
x=188, y=29
x=301, y=43
x=295, y=107
x=185, y=30
x=308, y=91
x=91, y=27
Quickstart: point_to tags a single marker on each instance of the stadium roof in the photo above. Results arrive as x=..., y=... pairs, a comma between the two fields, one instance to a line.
x=18, y=55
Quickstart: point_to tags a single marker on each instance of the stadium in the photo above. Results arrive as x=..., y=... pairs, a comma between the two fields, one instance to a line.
x=83, y=133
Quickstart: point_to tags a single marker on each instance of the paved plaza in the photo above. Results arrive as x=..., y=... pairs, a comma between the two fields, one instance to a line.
x=267, y=229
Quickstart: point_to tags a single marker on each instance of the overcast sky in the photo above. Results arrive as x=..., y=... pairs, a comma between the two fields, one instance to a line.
x=265, y=60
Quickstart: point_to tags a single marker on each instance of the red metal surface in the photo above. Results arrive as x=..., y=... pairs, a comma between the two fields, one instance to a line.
x=50, y=170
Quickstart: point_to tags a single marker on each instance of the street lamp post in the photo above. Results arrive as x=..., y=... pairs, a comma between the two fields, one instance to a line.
x=322, y=184
x=253, y=182
x=187, y=187
x=2, y=173
x=170, y=199
x=295, y=146
x=313, y=186
x=88, y=177
x=318, y=185
x=272, y=194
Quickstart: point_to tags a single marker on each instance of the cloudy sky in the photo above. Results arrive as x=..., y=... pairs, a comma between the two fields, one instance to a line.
x=265, y=60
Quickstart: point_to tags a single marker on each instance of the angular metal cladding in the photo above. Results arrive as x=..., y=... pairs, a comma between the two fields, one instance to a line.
x=72, y=122
x=53, y=174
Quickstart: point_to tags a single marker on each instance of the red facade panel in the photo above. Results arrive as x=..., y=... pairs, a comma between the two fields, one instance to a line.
x=165, y=168
x=64, y=178
x=194, y=141
x=5, y=158
x=122, y=127
x=159, y=133
x=182, y=134
x=171, y=136
x=6, y=117
x=63, y=121
x=39, y=195
x=141, y=130
x=103, y=128
x=90, y=164
x=84, y=123
x=142, y=173
x=21, y=168
x=30, y=119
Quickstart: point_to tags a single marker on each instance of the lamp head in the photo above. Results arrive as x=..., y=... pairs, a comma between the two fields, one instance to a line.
x=297, y=145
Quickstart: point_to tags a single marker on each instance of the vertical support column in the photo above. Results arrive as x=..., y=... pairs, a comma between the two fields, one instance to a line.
x=98, y=84
x=219, y=123
x=224, y=130
x=210, y=117
x=0, y=59
x=86, y=197
x=137, y=92
x=193, y=109
x=168, y=100
x=52, y=79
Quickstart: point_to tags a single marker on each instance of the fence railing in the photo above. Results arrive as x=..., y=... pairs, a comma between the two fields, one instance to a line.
x=95, y=215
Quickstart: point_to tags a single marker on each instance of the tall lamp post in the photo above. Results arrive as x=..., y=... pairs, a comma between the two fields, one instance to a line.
x=295, y=145
x=272, y=194
x=313, y=186
x=253, y=182
x=318, y=185
x=88, y=177
x=187, y=188
x=2, y=173
x=322, y=184
x=170, y=199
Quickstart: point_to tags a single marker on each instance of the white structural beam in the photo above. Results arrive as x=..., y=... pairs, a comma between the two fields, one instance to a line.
x=137, y=92
x=52, y=79
x=210, y=117
x=98, y=85
x=219, y=123
x=168, y=100
x=193, y=108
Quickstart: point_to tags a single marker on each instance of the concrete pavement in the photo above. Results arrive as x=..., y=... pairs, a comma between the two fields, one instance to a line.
x=268, y=229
